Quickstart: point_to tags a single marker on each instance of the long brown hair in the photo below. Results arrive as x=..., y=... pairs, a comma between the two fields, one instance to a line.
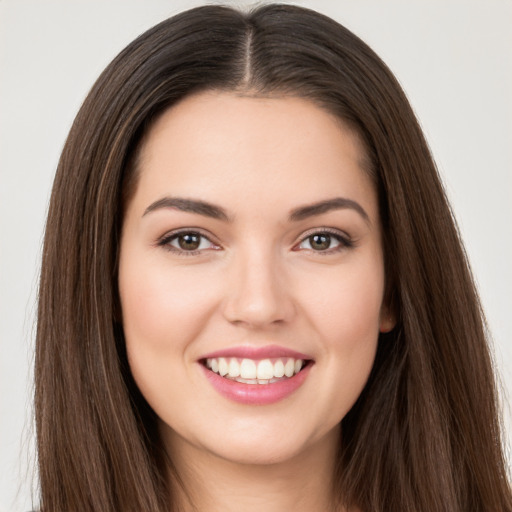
x=424, y=435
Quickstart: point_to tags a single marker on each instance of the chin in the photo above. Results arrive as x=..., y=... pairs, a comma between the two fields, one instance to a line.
x=263, y=447
x=255, y=454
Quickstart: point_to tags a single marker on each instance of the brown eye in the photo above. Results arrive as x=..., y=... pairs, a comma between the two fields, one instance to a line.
x=320, y=241
x=325, y=241
x=189, y=241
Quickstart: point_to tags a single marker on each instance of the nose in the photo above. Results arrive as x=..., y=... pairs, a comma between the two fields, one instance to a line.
x=258, y=293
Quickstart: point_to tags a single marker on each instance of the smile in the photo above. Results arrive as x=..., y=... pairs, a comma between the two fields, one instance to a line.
x=250, y=371
x=256, y=376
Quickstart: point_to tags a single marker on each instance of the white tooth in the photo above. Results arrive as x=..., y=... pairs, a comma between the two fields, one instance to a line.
x=263, y=381
x=246, y=381
x=278, y=368
x=223, y=366
x=265, y=369
x=234, y=368
x=289, y=367
x=248, y=369
x=208, y=363
x=215, y=365
x=298, y=365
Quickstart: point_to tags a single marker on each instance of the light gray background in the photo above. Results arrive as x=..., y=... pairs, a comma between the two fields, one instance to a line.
x=454, y=59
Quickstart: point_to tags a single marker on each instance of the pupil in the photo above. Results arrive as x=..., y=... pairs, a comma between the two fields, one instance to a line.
x=320, y=242
x=189, y=241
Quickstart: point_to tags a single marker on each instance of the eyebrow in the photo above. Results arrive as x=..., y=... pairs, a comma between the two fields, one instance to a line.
x=189, y=205
x=337, y=203
x=216, y=212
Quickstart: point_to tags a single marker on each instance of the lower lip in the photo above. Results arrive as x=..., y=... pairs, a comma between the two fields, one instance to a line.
x=256, y=394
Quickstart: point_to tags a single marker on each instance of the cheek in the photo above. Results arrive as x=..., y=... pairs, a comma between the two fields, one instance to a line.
x=158, y=303
x=164, y=310
x=351, y=332
x=354, y=314
x=346, y=316
x=346, y=306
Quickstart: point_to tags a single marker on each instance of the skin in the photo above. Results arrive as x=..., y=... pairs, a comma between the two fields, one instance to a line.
x=256, y=279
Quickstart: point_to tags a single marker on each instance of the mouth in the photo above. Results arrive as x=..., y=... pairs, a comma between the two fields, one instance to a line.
x=256, y=376
x=254, y=371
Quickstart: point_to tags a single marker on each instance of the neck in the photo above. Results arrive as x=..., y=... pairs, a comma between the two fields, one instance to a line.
x=302, y=483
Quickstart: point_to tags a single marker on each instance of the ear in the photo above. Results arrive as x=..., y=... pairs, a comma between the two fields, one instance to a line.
x=387, y=320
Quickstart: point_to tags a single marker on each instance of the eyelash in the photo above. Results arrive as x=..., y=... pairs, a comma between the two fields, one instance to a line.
x=345, y=242
x=166, y=240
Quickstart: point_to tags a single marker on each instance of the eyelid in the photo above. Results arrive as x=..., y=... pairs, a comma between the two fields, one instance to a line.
x=324, y=229
x=164, y=241
x=344, y=238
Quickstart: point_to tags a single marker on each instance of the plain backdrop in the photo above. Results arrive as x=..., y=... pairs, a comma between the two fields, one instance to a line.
x=453, y=58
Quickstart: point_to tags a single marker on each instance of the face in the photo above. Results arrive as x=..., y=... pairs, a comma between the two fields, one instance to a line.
x=251, y=276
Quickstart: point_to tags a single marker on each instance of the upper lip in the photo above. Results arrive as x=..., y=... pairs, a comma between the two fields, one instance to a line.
x=251, y=352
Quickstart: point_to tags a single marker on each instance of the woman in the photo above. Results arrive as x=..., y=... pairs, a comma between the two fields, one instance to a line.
x=253, y=292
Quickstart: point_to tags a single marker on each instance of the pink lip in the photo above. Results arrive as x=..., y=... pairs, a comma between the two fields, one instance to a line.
x=257, y=353
x=256, y=394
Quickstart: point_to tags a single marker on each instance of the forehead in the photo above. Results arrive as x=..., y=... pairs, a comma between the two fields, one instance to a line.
x=244, y=151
